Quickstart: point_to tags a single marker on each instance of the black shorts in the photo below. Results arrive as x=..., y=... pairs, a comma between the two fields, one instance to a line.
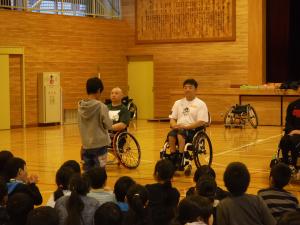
x=187, y=134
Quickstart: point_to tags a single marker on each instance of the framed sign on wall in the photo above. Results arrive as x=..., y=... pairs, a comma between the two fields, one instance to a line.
x=163, y=21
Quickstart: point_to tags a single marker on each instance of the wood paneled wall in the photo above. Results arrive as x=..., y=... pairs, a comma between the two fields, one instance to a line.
x=74, y=46
x=213, y=64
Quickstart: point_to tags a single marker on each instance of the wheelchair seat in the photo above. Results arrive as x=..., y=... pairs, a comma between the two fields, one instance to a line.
x=239, y=109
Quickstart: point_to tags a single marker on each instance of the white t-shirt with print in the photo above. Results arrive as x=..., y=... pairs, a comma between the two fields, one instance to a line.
x=188, y=112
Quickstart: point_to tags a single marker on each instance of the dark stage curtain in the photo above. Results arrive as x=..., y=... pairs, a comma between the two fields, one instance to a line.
x=283, y=40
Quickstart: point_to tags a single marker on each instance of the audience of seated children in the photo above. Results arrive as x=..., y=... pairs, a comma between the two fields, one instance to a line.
x=108, y=213
x=276, y=198
x=82, y=199
x=241, y=208
x=44, y=215
x=137, y=198
x=18, y=180
x=98, y=178
x=121, y=188
x=163, y=198
x=77, y=209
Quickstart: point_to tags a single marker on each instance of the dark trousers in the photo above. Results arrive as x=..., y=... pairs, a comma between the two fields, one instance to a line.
x=93, y=157
x=290, y=143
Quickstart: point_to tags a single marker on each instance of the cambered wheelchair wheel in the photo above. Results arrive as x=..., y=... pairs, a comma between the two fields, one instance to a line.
x=127, y=150
x=202, y=149
x=252, y=117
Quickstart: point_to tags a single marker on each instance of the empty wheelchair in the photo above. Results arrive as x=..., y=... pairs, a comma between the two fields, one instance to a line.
x=240, y=115
x=125, y=149
x=198, y=150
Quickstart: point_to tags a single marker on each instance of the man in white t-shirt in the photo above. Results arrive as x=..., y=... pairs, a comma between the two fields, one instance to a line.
x=187, y=114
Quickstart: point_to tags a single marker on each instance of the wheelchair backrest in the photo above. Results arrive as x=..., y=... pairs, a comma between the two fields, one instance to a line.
x=239, y=109
x=126, y=100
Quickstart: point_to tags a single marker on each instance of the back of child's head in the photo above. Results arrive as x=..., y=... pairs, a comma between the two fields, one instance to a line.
x=108, y=213
x=236, y=178
x=74, y=165
x=205, y=206
x=194, y=207
x=79, y=184
x=204, y=170
x=281, y=175
x=289, y=218
x=43, y=215
x=207, y=187
x=18, y=207
x=3, y=192
x=97, y=177
x=62, y=178
x=94, y=85
x=164, y=171
x=4, y=157
x=137, y=198
x=13, y=167
x=122, y=186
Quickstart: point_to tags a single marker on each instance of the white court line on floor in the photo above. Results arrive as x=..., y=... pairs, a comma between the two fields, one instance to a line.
x=249, y=168
x=259, y=141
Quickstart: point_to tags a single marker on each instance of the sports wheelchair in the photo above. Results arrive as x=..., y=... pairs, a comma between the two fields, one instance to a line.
x=198, y=150
x=239, y=115
x=125, y=149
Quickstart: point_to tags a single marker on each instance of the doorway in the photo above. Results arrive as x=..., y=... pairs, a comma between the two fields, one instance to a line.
x=140, y=85
x=5, y=113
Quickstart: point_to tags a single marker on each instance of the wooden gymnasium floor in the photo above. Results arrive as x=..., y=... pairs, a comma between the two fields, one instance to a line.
x=46, y=148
